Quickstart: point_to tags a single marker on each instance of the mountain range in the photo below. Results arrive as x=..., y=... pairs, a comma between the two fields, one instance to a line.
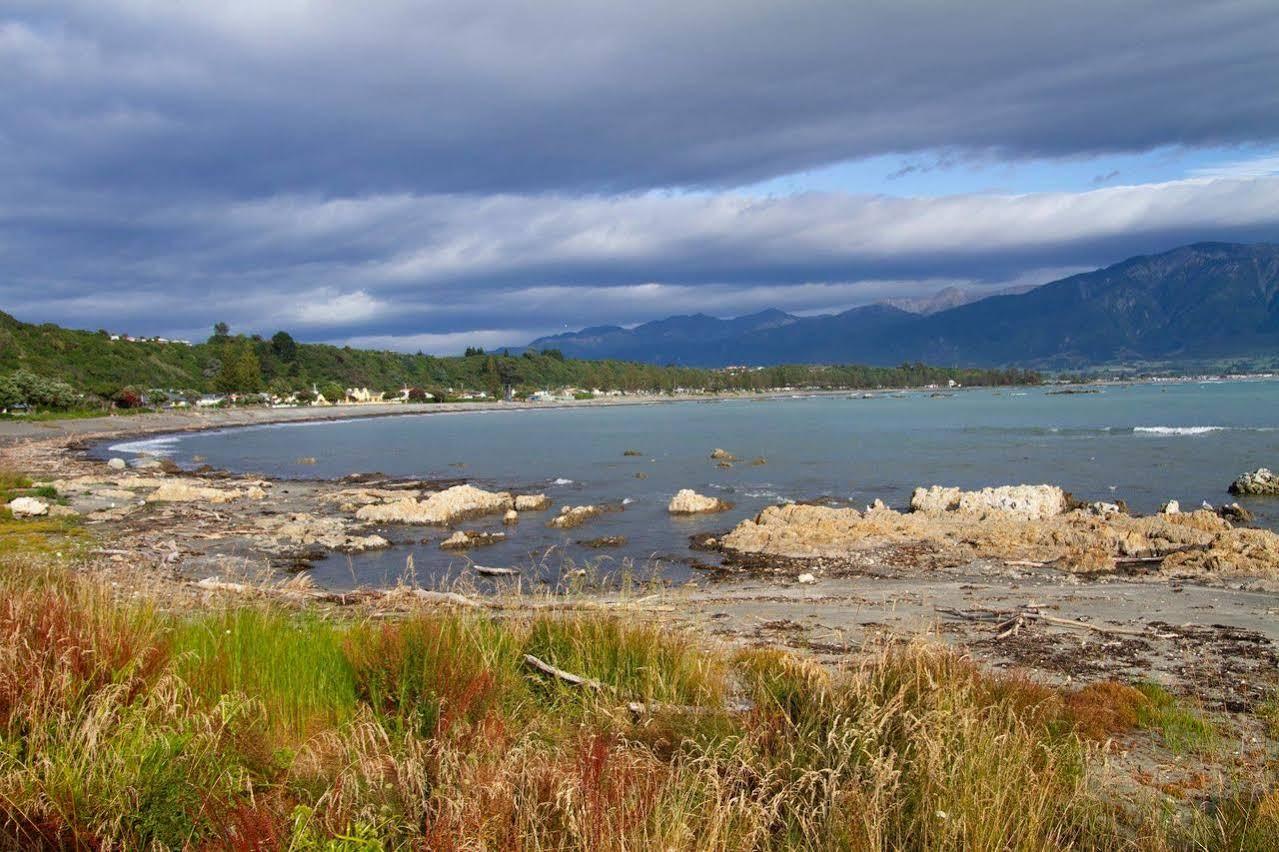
x=1201, y=302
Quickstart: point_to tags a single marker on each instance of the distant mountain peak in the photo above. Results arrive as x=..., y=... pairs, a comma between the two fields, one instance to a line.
x=1206, y=300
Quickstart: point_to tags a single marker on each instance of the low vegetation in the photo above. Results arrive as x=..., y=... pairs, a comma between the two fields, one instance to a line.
x=256, y=726
x=45, y=367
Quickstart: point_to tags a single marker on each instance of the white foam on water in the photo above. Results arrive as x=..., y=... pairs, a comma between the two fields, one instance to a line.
x=561, y=481
x=163, y=446
x=1177, y=430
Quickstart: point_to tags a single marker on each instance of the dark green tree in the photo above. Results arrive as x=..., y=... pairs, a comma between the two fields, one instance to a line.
x=284, y=347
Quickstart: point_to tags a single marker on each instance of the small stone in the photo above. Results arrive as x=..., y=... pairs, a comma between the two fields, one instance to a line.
x=1172, y=507
x=722, y=455
x=27, y=507
x=806, y=579
x=689, y=502
x=511, y=517
x=116, y=464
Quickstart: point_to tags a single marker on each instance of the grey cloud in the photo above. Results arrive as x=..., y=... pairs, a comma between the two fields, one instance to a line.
x=405, y=266
x=247, y=98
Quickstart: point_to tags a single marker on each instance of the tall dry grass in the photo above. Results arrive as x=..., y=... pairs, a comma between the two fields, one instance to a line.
x=259, y=727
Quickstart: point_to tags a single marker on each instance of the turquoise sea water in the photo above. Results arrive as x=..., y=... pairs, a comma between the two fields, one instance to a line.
x=1140, y=443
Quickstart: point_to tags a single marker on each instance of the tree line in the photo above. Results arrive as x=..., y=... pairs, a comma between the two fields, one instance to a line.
x=50, y=367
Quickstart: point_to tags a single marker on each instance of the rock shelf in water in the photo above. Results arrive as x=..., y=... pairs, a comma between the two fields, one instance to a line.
x=972, y=526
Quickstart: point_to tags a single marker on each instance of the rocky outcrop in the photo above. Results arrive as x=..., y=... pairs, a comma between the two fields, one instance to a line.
x=722, y=455
x=1022, y=501
x=1260, y=481
x=183, y=491
x=532, y=502
x=511, y=517
x=300, y=529
x=27, y=507
x=689, y=502
x=351, y=499
x=1235, y=513
x=441, y=508
x=573, y=516
x=1077, y=540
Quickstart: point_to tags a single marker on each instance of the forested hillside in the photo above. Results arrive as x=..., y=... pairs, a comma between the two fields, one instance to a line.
x=93, y=363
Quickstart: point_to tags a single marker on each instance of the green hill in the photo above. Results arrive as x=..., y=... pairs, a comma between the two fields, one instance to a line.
x=93, y=363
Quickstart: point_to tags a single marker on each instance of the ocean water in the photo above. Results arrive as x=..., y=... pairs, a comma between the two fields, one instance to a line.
x=1143, y=443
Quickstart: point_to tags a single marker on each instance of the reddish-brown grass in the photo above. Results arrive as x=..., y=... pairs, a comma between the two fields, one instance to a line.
x=1104, y=709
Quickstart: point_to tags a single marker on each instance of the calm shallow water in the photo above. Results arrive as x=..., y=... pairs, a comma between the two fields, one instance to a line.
x=1141, y=443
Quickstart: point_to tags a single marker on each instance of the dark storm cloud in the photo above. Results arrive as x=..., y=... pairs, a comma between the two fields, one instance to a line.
x=248, y=97
x=405, y=266
x=411, y=173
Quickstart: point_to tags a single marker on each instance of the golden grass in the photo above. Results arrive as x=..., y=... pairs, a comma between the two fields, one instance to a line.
x=259, y=727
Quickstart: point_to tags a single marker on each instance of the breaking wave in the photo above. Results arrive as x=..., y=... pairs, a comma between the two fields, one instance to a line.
x=163, y=446
x=1177, y=430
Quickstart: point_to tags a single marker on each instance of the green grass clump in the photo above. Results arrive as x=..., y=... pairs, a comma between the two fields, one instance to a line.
x=294, y=665
x=1184, y=730
x=430, y=673
x=640, y=662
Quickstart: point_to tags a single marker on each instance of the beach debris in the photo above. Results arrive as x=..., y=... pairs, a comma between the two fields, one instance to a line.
x=441, y=508
x=637, y=709
x=573, y=516
x=559, y=674
x=451, y=598
x=487, y=571
x=722, y=455
x=27, y=507
x=216, y=584
x=1260, y=481
x=1009, y=622
x=688, y=502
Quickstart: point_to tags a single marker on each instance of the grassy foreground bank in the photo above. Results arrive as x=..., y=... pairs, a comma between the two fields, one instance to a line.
x=254, y=726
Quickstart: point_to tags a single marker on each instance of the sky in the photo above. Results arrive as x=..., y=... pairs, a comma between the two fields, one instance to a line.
x=426, y=176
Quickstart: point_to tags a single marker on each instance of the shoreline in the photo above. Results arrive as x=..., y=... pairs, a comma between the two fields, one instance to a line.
x=178, y=422
x=226, y=542
x=83, y=430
